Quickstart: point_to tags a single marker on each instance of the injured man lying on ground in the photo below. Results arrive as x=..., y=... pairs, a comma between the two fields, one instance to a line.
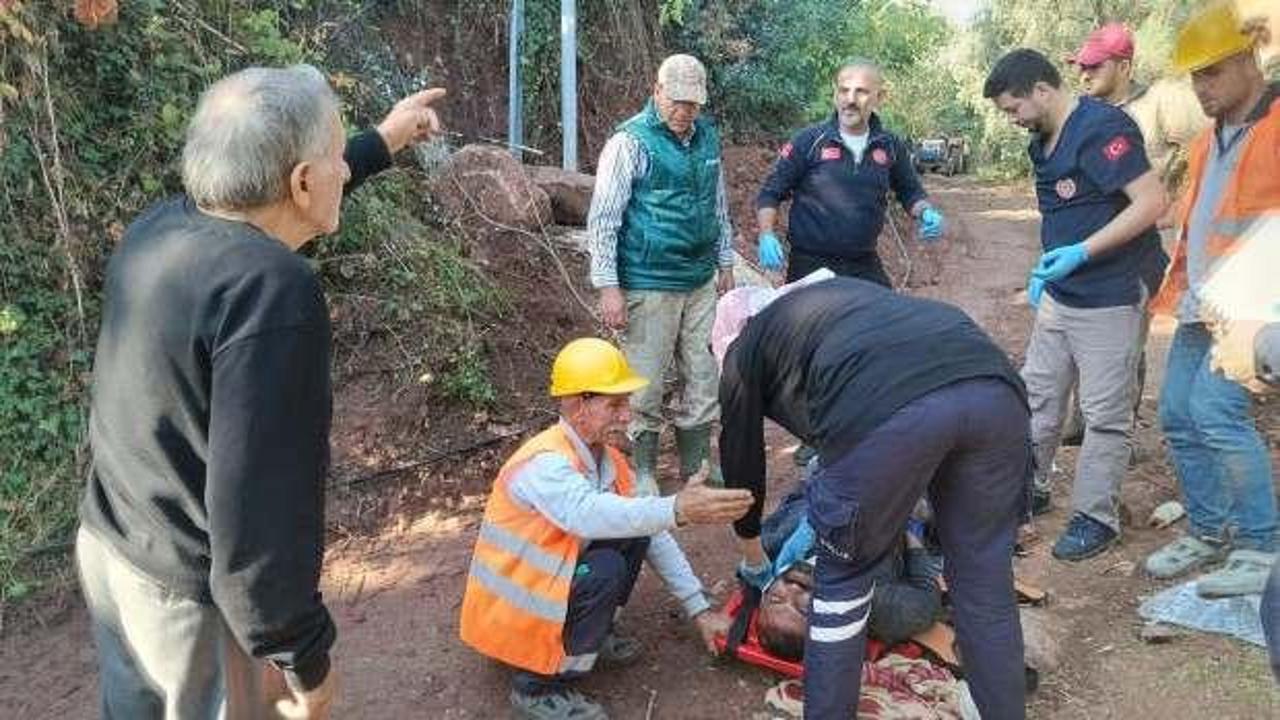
x=907, y=600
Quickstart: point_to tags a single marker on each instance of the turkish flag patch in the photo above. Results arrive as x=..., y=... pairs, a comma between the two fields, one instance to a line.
x=786, y=151
x=880, y=156
x=1117, y=148
x=831, y=153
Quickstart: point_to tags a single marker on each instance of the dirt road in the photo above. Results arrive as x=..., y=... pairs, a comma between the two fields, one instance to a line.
x=395, y=594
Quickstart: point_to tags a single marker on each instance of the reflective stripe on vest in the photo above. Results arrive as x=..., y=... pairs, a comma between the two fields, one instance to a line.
x=525, y=551
x=516, y=595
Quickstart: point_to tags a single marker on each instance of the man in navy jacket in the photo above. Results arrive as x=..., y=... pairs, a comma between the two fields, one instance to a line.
x=838, y=175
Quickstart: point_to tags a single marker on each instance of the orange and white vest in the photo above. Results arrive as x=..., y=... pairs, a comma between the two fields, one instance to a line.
x=517, y=592
x=1251, y=195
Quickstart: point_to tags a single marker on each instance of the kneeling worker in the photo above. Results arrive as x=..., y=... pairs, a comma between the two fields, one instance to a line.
x=563, y=537
x=900, y=395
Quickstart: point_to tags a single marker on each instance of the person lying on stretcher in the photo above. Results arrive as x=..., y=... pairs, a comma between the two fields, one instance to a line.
x=907, y=600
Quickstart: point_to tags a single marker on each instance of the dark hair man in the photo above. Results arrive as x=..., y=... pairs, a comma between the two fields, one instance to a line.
x=1099, y=200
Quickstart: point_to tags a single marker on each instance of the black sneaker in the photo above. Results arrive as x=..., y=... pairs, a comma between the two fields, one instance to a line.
x=1083, y=538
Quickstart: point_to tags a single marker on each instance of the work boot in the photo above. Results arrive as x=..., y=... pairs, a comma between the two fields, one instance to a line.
x=1083, y=538
x=644, y=458
x=1184, y=555
x=558, y=704
x=1245, y=573
x=619, y=651
x=694, y=446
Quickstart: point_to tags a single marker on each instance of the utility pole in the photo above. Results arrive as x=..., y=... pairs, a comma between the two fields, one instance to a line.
x=569, y=83
x=515, y=91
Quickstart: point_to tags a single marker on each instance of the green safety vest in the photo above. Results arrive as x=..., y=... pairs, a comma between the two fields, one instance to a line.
x=670, y=231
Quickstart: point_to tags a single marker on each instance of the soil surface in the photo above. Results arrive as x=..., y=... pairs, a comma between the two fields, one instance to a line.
x=401, y=541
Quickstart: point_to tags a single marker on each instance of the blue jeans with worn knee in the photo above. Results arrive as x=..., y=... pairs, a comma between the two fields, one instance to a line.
x=1223, y=464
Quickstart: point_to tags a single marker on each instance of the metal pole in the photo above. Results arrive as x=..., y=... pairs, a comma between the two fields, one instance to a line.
x=515, y=91
x=569, y=82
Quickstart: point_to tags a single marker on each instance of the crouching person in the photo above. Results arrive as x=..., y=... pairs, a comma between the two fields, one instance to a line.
x=901, y=396
x=564, y=535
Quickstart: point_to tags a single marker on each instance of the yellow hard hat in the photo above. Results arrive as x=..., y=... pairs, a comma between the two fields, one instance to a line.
x=1211, y=35
x=592, y=365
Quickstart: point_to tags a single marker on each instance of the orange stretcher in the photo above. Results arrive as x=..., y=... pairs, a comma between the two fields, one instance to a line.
x=743, y=640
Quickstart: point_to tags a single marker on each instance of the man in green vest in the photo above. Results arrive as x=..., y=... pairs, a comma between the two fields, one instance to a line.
x=661, y=251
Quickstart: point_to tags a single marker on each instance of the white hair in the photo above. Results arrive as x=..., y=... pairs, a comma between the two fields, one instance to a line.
x=250, y=130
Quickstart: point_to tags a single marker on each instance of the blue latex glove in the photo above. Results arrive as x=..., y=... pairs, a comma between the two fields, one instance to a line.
x=795, y=549
x=756, y=577
x=1061, y=262
x=930, y=226
x=1035, y=288
x=916, y=528
x=769, y=252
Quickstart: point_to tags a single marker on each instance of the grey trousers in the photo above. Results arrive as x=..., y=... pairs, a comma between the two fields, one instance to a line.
x=162, y=655
x=1102, y=346
x=664, y=326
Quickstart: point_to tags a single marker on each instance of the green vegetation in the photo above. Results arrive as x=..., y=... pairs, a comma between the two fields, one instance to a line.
x=771, y=61
x=91, y=124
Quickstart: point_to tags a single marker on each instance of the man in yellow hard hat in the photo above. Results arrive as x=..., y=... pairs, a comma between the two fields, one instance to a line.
x=563, y=537
x=1223, y=463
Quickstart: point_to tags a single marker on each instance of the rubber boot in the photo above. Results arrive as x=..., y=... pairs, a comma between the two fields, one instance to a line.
x=694, y=446
x=644, y=458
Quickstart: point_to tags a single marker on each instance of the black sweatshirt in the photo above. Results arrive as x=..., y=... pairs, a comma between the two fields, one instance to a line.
x=831, y=362
x=209, y=421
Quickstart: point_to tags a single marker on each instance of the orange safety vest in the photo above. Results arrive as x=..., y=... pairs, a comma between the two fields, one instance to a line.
x=518, y=586
x=1252, y=193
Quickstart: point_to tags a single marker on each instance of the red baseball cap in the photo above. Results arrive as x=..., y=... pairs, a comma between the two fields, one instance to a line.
x=1112, y=40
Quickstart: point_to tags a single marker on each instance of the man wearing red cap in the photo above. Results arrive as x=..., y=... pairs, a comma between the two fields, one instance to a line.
x=1166, y=112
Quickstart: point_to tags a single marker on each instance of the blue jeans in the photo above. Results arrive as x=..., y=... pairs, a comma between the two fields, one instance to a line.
x=1223, y=465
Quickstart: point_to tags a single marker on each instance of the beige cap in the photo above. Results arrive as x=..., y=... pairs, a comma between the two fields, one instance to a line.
x=684, y=79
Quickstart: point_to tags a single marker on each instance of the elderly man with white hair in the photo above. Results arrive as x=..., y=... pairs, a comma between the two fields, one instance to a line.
x=900, y=395
x=202, y=527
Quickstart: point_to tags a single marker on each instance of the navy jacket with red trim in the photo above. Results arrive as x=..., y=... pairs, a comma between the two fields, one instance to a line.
x=838, y=205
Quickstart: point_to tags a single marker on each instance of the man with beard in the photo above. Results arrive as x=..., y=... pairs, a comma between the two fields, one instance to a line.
x=1223, y=464
x=1099, y=200
x=838, y=175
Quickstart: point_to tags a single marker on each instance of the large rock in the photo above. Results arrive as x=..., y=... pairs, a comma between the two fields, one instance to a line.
x=570, y=192
x=487, y=181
